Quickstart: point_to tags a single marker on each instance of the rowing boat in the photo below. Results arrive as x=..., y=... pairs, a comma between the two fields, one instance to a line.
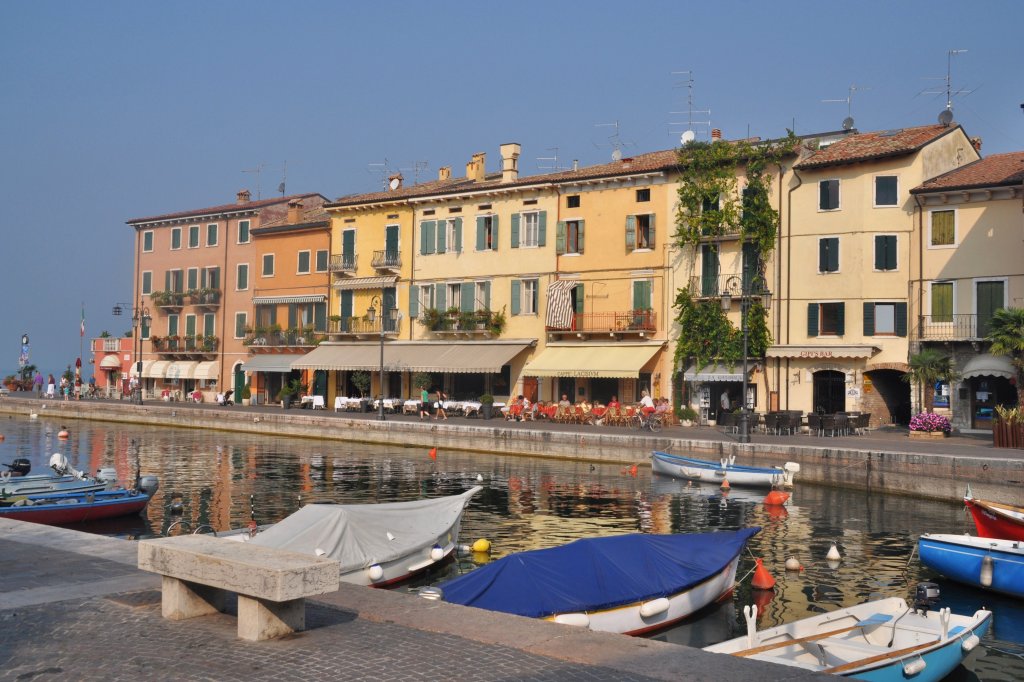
x=726, y=469
x=988, y=563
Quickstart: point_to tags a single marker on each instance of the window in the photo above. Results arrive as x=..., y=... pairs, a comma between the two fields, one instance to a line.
x=175, y=281
x=266, y=315
x=303, y=263
x=942, y=301
x=487, y=233
x=172, y=324
x=570, y=237
x=828, y=254
x=437, y=236
x=828, y=195
x=826, y=319
x=453, y=236
x=643, y=195
x=885, y=252
x=192, y=279
x=572, y=201
x=243, y=231
x=211, y=278
x=190, y=325
x=209, y=320
x=321, y=260
x=268, y=265
x=241, y=322
x=147, y=283
x=640, y=232
x=885, y=319
x=212, y=234
x=885, y=190
x=943, y=228
x=530, y=230
x=524, y=297
x=175, y=238
x=482, y=296
x=454, y=295
x=147, y=241
x=193, y=237
x=424, y=299
x=242, y=277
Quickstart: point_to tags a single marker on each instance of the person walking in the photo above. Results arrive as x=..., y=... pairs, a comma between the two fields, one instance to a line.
x=65, y=388
x=51, y=387
x=439, y=412
x=424, y=403
x=37, y=381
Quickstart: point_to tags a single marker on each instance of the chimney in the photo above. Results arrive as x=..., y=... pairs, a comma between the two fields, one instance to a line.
x=444, y=173
x=976, y=143
x=295, y=211
x=243, y=197
x=476, y=169
x=395, y=181
x=575, y=165
x=716, y=134
x=510, y=161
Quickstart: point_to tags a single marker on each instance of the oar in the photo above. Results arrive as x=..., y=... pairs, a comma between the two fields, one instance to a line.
x=876, y=619
x=880, y=657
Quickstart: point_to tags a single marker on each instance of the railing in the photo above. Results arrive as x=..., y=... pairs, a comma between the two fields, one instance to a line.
x=714, y=287
x=342, y=263
x=357, y=326
x=283, y=339
x=622, y=321
x=209, y=298
x=107, y=345
x=950, y=327
x=165, y=344
x=386, y=259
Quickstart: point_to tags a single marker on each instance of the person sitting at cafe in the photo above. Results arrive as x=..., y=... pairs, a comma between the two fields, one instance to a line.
x=588, y=411
x=646, y=402
x=197, y=396
x=613, y=404
x=564, y=402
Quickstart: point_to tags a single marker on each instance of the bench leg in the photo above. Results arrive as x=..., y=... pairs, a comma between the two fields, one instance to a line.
x=181, y=599
x=260, y=619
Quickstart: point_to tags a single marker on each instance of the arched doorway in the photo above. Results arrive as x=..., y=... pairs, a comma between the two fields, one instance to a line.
x=829, y=391
x=887, y=396
x=239, y=383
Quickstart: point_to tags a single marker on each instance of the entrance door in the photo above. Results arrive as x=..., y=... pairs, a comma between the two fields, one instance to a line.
x=530, y=388
x=989, y=298
x=829, y=391
x=567, y=387
x=391, y=244
x=239, y=385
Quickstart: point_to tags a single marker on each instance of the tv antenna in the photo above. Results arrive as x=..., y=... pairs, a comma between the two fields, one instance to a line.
x=258, y=170
x=848, y=121
x=555, y=166
x=687, y=130
x=382, y=169
x=416, y=168
x=946, y=115
x=615, y=141
x=284, y=178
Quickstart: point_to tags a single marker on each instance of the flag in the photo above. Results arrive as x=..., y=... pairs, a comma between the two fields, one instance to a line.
x=82, y=328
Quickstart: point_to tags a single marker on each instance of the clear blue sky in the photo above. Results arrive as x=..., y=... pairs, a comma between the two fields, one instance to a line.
x=116, y=110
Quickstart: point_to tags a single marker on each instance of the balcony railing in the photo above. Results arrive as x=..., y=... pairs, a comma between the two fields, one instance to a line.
x=625, y=321
x=342, y=263
x=358, y=326
x=174, y=345
x=714, y=287
x=207, y=298
x=951, y=328
x=283, y=339
x=386, y=260
x=107, y=345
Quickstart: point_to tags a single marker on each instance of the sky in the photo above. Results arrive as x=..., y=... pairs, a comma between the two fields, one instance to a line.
x=118, y=110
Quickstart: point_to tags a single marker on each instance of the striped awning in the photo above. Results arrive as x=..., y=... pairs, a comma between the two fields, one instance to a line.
x=146, y=366
x=484, y=357
x=310, y=298
x=560, y=310
x=110, y=362
x=207, y=371
x=606, y=360
x=156, y=370
x=281, y=363
x=365, y=283
x=180, y=370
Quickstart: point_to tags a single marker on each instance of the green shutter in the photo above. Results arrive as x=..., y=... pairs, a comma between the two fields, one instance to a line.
x=320, y=317
x=391, y=240
x=427, y=241
x=442, y=236
x=879, y=253
x=458, y=235
x=942, y=301
x=560, y=237
x=869, y=319
x=293, y=316
x=440, y=293
x=516, y=284
x=943, y=228
x=822, y=255
x=890, y=253
x=167, y=281
x=348, y=246
x=172, y=325
x=901, y=319
x=494, y=232
x=414, y=301
x=467, y=304
x=190, y=325
x=641, y=294
x=651, y=240
x=708, y=270
x=579, y=238
x=481, y=233
x=542, y=230
x=580, y=298
x=812, y=319
x=515, y=231
x=630, y=233
x=487, y=295
x=751, y=264
x=841, y=320
x=208, y=324
x=347, y=306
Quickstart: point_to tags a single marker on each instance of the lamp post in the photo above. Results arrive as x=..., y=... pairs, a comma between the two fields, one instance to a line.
x=747, y=287
x=140, y=318
x=385, y=314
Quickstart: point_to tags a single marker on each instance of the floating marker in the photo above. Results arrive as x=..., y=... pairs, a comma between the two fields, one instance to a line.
x=63, y=434
x=433, y=453
x=479, y=478
x=725, y=484
x=793, y=564
x=482, y=545
x=763, y=580
x=986, y=571
x=833, y=554
x=632, y=471
x=776, y=497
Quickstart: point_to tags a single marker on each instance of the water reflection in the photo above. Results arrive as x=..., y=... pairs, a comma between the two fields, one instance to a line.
x=224, y=479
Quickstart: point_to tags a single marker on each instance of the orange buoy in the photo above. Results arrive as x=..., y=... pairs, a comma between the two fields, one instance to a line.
x=1, y=436
x=632, y=471
x=763, y=580
x=433, y=453
x=762, y=598
x=776, y=497
x=725, y=484
x=63, y=434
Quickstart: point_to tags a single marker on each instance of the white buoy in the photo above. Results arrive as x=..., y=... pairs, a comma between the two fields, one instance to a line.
x=437, y=552
x=987, y=567
x=479, y=478
x=792, y=564
x=911, y=668
x=580, y=620
x=375, y=572
x=654, y=607
x=319, y=552
x=833, y=553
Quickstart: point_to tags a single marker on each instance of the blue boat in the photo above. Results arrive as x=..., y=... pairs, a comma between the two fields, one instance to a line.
x=987, y=563
x=629, y=584
x=77, y=507
x=693, y=469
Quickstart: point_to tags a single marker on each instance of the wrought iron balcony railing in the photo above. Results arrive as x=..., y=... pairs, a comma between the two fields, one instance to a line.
x=358, y=326
x=611, y=322
x=342, y=263
x=952, y=327
x=386, y=260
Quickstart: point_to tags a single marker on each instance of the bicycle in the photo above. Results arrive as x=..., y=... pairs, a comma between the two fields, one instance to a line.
x=641, y=421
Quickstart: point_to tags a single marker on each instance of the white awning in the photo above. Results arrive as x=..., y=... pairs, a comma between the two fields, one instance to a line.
x=110, y=362
x=207, y=370
x=821, y=352
x=988, y=365
x=156, y=370
x=467, y=357
x=608, y=360
x=365, y=283
x=279, y=363
x=715, y=373
x=146, y=368
x=180, y=370
x=268, y=300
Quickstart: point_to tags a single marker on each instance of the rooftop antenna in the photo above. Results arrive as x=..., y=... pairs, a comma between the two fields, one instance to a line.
x=614, y=140
x=946, y=115
x=284, y=178
x=383, y=169
x=258, y=170
x=416, y=168
x=686, y=129
x=555, y=166
x=848, y=121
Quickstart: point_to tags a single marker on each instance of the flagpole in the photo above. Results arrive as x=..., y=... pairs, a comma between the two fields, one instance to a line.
x=81, y=338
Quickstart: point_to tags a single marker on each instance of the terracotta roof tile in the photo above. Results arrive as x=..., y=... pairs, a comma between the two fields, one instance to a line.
x=313, y=215
x=997, y=170
x=874, y=145
x=223, y=208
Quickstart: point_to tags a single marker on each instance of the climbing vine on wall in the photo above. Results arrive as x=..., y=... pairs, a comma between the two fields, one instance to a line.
x=708, y=337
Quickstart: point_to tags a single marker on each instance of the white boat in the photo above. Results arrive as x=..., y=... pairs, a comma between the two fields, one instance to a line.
x=377, y=544
x=883, y=640
x=693, y=469
x=17, y=481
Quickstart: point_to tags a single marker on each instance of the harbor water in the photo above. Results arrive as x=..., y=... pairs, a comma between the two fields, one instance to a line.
x=220, y=480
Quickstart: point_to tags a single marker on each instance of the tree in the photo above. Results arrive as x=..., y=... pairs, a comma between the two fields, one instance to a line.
x=361, y=380
x=1006, y=332
x=926, y=368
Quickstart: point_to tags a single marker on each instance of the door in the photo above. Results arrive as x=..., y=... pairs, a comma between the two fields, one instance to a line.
x=348, y=249
x=989, y=299
x=239, y=385
x=829, y=391
x=391, y=244
x=389, y=304
x=708, y=270
x=346, y=310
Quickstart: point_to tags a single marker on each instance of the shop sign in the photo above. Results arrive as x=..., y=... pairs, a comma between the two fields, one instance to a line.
x=816, y=354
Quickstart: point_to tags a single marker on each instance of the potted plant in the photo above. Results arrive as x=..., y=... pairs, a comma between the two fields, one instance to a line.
x=431, y=318
x=289, y=391
x=496, y=324
x=687, y=415
x=467, y=320
x=929, y=425
x=246, y=394
x=487, y=405
x=361, y=380
x=157, y=341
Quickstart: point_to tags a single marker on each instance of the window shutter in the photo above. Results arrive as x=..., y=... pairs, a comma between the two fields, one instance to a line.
x=641, y=294
x=320, y=317
x=869, y=319
x=293, y=316
x=414, y=301
x=841, y=320
x=427, y=237
x=560, y=237
x=515, y=230
x=442, y=236
x=273, y=314
x=890, y=253
x=812, y=319
x=487, y=295
x=167, y=281
x=651, y=240
x=579, y=238
x=440, y=292
x=348, y=245
x=708, y=270
x=630, y=233
x=458, y=235
x=481, y=235
x=494, y=232
x=879, y=253
x=466, y=304
x=901, y=319
x=833, y=254
x=822, y=255
x=516, y=285
x=208, y=324
x=542, y=228
x=190, y=325
x=823, y=194
x=580, y=298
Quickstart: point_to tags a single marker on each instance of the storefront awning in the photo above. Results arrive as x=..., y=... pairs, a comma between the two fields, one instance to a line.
x=270, y=300
x=988, y=365
x=156, y=369
x=821, y=352
x=365, y=283
x=207, y=371
x=425, y=356
x=608, y=360
x=180, y=370
x=110, y=362
x=146, y=367
x=714, y=373
x=269, y=363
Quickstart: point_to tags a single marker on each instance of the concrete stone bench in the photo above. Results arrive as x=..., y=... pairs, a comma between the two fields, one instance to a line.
x=272, y=584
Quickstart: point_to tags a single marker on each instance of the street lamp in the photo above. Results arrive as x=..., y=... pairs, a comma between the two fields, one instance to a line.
x=140, y=318
x=747, y=287
x=385, y=314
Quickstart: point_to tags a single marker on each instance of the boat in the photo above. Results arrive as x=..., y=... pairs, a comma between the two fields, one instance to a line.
x=882, y=640
x=693, y=469
x=629, y=584
x=377, y=544
x=18, y=481
x=994, y=519
x=76, y=507
x=988, y=563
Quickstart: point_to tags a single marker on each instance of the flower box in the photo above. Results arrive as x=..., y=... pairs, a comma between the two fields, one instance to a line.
x=928, y=434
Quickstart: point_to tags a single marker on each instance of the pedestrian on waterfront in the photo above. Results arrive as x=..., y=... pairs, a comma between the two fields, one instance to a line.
x=424, y=403
x=564, y=402
x=725, y=402
x=38, y=383
x=65, y=388
x=439, y=412
x=78, y=388
x=51, y=387
x=646, y=402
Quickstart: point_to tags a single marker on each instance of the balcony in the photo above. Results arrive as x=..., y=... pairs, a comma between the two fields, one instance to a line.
x=951, y=328
x=639, y=322
x=185, y=346
x=168, y=301
x=205, y=298
x=712, y=287
x=452, y=322
x=359, y=327
x=110, y=344
x=343, y=264
x=387, y=260
x=276, y=340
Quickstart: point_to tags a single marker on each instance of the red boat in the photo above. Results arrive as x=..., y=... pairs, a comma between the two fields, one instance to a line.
x=996, y=520
x=76, y=507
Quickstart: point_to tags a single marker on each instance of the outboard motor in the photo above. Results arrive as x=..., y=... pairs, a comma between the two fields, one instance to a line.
x=149, y=484
x=926, y=596
x=19, y=467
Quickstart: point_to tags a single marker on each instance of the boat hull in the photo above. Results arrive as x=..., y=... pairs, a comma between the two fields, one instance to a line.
x=78, y=507
x=960, y=558
x=692, y=469
x=36, y=484
x=994, y=520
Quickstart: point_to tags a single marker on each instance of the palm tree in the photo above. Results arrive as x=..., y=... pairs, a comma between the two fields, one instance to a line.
x=1006, y=332
x=926, y=368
